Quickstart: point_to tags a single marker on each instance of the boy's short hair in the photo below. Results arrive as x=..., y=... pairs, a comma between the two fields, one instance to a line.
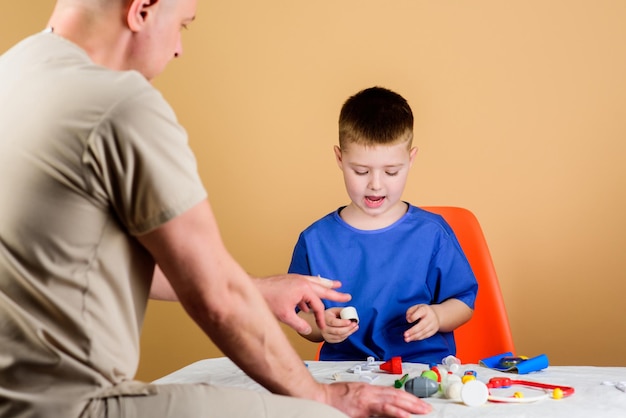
x=375, y=116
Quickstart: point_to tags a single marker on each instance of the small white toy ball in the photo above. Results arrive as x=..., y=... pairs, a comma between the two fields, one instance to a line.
x=453, y=391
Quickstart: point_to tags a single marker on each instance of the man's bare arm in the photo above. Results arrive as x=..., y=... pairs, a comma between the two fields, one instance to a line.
x=221, y=297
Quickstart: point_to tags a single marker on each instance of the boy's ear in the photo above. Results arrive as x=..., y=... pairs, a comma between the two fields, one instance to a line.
x=412, y=154
x=139, y=11
x=338, y=156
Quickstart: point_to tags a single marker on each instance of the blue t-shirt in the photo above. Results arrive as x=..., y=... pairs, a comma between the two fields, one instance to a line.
x=415, y=260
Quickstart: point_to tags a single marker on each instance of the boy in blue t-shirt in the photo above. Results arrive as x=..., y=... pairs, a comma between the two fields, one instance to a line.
x=410, y=282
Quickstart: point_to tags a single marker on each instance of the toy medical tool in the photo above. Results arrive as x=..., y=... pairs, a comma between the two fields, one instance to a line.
x=507, y=362
x=428, y=383
x=421, y=386
x=452, y=363
x=349, y=312
x=367, y=367
x=393, y=366
x=554, y=391
x=400, y=382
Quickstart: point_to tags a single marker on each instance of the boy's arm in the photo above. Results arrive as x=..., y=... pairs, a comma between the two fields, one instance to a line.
x=452, y=313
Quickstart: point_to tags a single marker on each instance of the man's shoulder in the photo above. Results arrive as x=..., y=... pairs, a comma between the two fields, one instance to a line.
x=56, y=61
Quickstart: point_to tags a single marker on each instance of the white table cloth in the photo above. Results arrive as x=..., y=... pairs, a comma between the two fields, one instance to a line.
x=593, y=398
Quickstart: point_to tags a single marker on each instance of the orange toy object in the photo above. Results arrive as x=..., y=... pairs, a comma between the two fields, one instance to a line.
x=393, y=366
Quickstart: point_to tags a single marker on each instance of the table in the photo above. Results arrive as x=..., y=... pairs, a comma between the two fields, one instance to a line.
x=592, y=398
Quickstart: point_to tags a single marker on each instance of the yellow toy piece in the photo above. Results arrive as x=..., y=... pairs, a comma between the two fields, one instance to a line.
x=557, y=393
x=468, y=377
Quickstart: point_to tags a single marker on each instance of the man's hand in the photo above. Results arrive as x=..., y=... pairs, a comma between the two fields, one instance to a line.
x=362, y=400
x=283, y=293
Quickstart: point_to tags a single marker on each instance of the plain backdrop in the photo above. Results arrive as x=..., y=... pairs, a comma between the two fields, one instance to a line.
x=520, y=116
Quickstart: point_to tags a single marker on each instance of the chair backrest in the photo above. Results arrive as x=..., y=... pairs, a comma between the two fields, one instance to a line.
x=488, y=333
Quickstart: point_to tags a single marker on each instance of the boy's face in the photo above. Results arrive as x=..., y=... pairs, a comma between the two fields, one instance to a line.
x=375, y=176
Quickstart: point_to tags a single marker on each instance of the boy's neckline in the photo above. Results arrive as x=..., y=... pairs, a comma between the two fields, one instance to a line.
x=369, y=223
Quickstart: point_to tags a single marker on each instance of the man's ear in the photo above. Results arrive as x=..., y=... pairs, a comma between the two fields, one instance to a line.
x=139, y=11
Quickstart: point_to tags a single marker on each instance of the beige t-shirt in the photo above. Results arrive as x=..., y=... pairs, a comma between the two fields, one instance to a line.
x=89, y=158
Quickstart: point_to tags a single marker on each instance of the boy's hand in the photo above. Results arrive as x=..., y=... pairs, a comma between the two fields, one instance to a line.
x=426, y=322
x=337, y=329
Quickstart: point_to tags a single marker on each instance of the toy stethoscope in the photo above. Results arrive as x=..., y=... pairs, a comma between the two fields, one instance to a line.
x=554, y=391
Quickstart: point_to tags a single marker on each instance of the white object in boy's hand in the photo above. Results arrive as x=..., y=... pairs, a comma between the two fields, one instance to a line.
x=349, y=312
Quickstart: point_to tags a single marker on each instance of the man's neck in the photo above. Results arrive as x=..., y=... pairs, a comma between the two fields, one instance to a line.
x=103, y=37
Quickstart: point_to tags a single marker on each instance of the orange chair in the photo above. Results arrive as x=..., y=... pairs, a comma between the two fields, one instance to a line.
x=488, y=333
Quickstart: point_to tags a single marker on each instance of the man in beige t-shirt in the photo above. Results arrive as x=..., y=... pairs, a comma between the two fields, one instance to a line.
x=98, y=186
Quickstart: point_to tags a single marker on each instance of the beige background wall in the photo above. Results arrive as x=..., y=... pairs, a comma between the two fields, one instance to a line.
x=520, y=116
